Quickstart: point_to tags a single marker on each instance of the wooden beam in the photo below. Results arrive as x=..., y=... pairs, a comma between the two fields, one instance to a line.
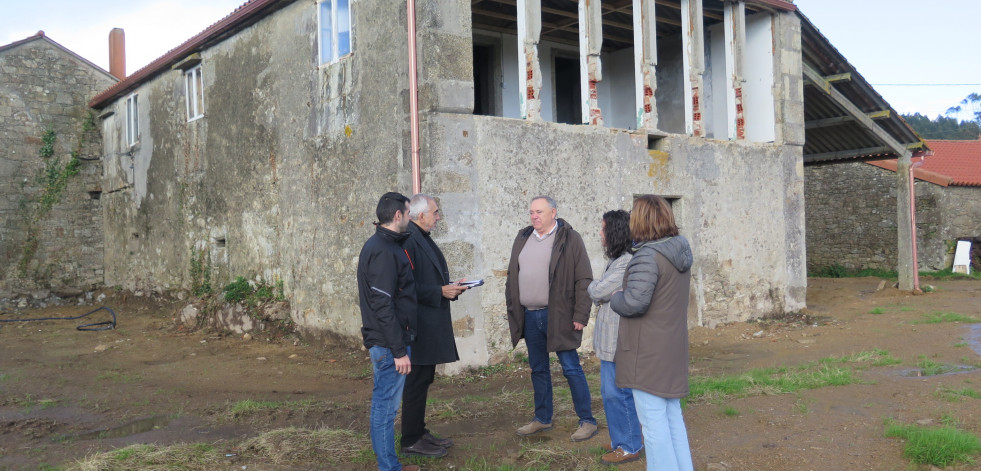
x=845, y=77
x=823, y=123
x=826, y=122
x=812, y=76
x=848, y=154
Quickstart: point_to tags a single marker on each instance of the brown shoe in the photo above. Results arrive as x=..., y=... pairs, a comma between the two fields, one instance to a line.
x=533, y=428
x=619, y=456
x=585, y=431
x=410, y=467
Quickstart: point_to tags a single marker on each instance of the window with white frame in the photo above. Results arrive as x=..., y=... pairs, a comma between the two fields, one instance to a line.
x=132, y=120
x=194, y=87
x=335, y=29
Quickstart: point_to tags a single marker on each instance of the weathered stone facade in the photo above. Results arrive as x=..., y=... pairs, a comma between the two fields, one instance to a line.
x=51, y=234
x=851, y=218
x=279, y=179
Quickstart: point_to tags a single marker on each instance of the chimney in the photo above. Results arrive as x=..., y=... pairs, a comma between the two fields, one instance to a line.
x=117, y=53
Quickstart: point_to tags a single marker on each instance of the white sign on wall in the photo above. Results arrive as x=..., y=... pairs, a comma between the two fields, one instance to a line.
x=962, y=257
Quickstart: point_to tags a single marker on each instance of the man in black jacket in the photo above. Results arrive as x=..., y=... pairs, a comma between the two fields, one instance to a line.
x=386, y=291
x=435, y=343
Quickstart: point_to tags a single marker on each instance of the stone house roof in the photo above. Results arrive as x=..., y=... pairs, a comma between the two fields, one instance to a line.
x=40, y=36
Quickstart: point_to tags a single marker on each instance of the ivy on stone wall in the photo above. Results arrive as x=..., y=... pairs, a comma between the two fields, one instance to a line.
x=53, y=178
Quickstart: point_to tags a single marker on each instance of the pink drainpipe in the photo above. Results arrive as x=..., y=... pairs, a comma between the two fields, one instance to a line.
x=912, y=219
x=413, y=99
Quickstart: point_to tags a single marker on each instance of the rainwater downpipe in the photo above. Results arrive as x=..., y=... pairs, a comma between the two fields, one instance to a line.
x=912, y=221
x=413, y=98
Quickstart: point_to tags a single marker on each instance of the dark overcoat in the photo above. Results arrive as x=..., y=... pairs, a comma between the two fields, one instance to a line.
x=569, y=274
x=435, y=342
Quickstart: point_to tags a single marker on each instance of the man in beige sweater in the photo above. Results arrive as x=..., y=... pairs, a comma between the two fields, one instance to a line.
x=548, y=306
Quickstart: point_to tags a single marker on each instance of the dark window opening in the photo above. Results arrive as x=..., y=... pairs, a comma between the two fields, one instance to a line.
x=568, y=98
x=484, y=90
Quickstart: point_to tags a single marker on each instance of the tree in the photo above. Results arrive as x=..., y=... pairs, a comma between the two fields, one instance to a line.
x=974, y=101
x=943, y=127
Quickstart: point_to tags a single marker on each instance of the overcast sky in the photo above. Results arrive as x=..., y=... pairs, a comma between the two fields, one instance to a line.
x=923, y=45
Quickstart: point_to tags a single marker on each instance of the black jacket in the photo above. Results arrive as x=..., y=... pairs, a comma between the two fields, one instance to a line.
x=435, y=342
x=387, y=292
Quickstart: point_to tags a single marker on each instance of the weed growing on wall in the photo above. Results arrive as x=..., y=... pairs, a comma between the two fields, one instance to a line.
x=200, y=272
x=250, y=293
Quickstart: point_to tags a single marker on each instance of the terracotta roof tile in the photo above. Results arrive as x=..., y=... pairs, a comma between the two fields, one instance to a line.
x=956, y=163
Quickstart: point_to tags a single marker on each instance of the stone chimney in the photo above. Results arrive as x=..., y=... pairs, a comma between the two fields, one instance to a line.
x=117, y=53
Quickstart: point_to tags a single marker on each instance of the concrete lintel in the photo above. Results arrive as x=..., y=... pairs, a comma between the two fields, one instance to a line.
x=645, y=63
x=692, y=40
x=530, y=78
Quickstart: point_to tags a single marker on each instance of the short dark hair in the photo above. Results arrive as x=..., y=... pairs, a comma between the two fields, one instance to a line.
x=651, y=219
x=388, y=205
x=617, y=231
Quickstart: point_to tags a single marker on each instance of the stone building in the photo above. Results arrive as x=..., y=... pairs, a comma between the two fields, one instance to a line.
x=50, y=170
x=859, y=231
x=259, y=147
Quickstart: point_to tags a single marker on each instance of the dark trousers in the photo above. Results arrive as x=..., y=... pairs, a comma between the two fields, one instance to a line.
x=414, y=403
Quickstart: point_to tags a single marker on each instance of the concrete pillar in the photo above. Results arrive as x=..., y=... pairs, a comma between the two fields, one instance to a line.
x=645, y=63
x=904, y=227
x=693, y=43
x=590, y=47
x=530, y=78
x=735, y=45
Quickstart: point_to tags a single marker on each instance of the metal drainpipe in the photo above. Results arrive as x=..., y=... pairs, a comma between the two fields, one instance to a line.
x=912, y=219
x=413, y=99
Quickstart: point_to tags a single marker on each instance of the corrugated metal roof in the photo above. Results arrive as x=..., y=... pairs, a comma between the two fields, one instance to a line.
x=831, y=132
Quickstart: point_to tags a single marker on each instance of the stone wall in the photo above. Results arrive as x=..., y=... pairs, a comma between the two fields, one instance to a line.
x=279, y=180
x=51, y=234
x=851, y=218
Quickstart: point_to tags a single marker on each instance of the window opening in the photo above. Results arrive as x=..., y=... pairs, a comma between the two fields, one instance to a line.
x=132, y=120
x=568, y=95
x=335, y=30
x=194, y=87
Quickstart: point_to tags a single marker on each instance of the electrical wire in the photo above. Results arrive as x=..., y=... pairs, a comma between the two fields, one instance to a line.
x=105, y=325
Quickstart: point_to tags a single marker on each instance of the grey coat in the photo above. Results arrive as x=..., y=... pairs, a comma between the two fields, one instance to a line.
x=607, y=322
x=652, y=348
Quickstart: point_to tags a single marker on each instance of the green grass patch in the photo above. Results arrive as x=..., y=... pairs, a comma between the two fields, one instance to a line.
x=831, y=371
x=929, y=367
x=956, y=395
x=730, y=411
x=939, y=317
x=877, y=310
x=120, y=377
x=249, y=406
x=960, y=344
x=948, y=274
x=941, y=446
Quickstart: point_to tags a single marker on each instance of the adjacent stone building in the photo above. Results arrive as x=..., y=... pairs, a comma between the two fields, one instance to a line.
x=259, y=147
x=50, y=170
x=851, y=209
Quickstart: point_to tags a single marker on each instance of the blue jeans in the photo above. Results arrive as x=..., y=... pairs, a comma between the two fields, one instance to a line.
x=621, y=415
x=665, y=435
x=536, y=337
x=386, y=395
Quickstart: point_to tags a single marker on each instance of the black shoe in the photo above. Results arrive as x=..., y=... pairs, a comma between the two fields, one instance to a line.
x=424, y=449
x=443, y=442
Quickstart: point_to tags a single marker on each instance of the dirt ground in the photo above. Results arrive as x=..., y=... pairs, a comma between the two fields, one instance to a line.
x=67, y=394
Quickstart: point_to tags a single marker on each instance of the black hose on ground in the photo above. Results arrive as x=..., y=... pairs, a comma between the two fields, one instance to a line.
x=106, y=325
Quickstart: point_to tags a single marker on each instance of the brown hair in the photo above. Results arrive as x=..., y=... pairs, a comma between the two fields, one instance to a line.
x=651, y=219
